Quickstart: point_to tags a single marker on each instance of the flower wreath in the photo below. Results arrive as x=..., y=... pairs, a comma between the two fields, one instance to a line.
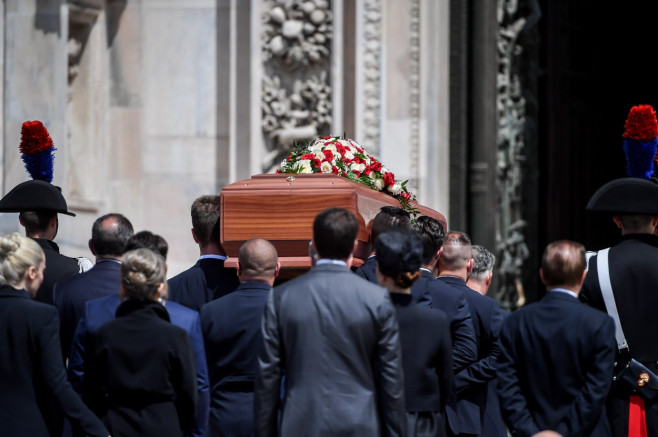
x=346, y=158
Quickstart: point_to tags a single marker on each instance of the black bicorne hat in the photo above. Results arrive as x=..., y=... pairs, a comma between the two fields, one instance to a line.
x=35, y=195
x=626, y=196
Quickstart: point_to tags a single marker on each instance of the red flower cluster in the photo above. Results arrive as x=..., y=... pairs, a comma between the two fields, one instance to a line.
x=34, y=138
x=641, y=123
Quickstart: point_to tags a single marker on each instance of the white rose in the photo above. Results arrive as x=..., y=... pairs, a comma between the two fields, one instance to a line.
x=304, y=166
x=378, y=184
x=325, y=167
x=357, y=167
x=319, y=155
x=395, y=189
x=349, y=155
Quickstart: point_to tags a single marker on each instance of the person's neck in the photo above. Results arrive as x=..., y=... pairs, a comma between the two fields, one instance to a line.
x=399, y=290
x=477, y=286
x=107, y=257
x=211, y=249
x=269, y=281
x=456, y=273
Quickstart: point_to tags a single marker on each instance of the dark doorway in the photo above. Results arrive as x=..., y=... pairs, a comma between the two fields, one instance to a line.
x=597, y=61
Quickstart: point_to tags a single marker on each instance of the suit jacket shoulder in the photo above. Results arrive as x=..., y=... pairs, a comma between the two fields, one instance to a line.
x=207, y=280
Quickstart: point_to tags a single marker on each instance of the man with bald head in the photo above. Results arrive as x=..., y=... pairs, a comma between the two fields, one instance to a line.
x=466, y=416
x=557, y=355
x=231, y=328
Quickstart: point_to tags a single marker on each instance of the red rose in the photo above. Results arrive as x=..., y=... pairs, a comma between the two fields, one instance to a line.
x=308, y=156
x=289, y=158
x=326, y=138
x=357, y=173
x=334, y=169
x=389, y=179
x=317, y=162
x=406, y=196
x=328, y=155
x=376, y=166
x=367, y=171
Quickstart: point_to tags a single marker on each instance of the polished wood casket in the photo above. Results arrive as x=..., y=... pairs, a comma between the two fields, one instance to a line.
x=281, y=208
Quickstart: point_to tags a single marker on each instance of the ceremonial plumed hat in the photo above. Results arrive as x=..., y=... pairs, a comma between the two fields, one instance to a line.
x=398, y=252
x=626, y=196
x=38, y=194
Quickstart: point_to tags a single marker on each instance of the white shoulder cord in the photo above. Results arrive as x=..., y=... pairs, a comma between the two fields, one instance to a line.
x=609, y=299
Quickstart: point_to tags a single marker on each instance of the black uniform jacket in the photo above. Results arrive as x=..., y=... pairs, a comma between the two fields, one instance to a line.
x=207, y=280
x=141, y=378
x=32, y=373
x=58, y=267
x=633, y=266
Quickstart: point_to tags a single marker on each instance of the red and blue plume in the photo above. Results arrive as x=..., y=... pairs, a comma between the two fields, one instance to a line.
x=640, y=141
x=37, y=150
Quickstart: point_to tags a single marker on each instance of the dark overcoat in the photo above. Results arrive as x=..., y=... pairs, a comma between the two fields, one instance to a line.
x=32, y=373
x=140, y=376
x=58, y=268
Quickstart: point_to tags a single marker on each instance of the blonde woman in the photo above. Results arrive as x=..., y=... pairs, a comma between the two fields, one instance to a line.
x=31, y=369
x=141, y=378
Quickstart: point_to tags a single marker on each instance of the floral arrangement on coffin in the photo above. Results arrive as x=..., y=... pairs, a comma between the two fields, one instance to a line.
x=346, y=158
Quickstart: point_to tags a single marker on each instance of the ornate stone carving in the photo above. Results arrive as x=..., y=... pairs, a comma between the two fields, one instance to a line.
x=511, y=106
x=414, y=93
x=297, y=31
x=372, y=47
x=294, y=118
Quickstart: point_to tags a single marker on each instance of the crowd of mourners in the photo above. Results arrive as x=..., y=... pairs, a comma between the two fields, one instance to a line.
x=406, y=343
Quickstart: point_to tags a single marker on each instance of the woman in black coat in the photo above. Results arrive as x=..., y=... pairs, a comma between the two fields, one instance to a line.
x=141, y=378
x=424, y=336
x=33, y=385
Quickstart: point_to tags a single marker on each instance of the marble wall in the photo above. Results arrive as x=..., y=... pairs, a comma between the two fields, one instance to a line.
x=152, y=103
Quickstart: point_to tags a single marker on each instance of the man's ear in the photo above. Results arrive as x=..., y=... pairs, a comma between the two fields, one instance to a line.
x=91, y=247
x=240, y=268
x=356, y=243
x=469, y=267
x=541, y=275
x=487, y=281
x=278, y=267
x=617, y=220
x=196, y=239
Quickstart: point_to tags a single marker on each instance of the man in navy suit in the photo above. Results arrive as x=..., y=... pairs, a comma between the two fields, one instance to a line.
x=443, y=297
x=208, y=279
x=231, y=327
x=99, y=311
x=556, y=362
x=109, y=235
x=466, y=416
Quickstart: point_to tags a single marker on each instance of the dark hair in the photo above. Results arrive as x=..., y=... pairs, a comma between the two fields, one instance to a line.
x=634, y=222
x=483, y=262
x=36, y=221
x=563, y=263
x=430, y=232
x=142, y=272
x=205, y=219
x=334, y=232
x=399, y=256
x=389, y=218
x=148, y=240
x=456, y=250
x=110, y=233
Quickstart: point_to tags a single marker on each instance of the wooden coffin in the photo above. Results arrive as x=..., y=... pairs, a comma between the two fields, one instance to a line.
x=282, y=207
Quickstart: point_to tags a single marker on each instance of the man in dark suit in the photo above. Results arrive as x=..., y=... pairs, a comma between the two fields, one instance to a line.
x=335, y=338
x=208, y=279
x=455, y=263
x=100, y=311
x=556, y=360
x=231, y=327
x=480, y=280
x=443, y=297
x=633, y=203
x=389, y=218
x=38, y=203
x=109, y=235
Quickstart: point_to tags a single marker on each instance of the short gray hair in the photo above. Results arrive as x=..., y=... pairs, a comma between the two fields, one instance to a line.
x=483, y=262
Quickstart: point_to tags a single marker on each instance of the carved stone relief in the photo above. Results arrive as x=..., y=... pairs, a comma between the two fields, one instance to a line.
x=296, y=90
x=414, y=93
x=372, y=48
x=511, y=244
